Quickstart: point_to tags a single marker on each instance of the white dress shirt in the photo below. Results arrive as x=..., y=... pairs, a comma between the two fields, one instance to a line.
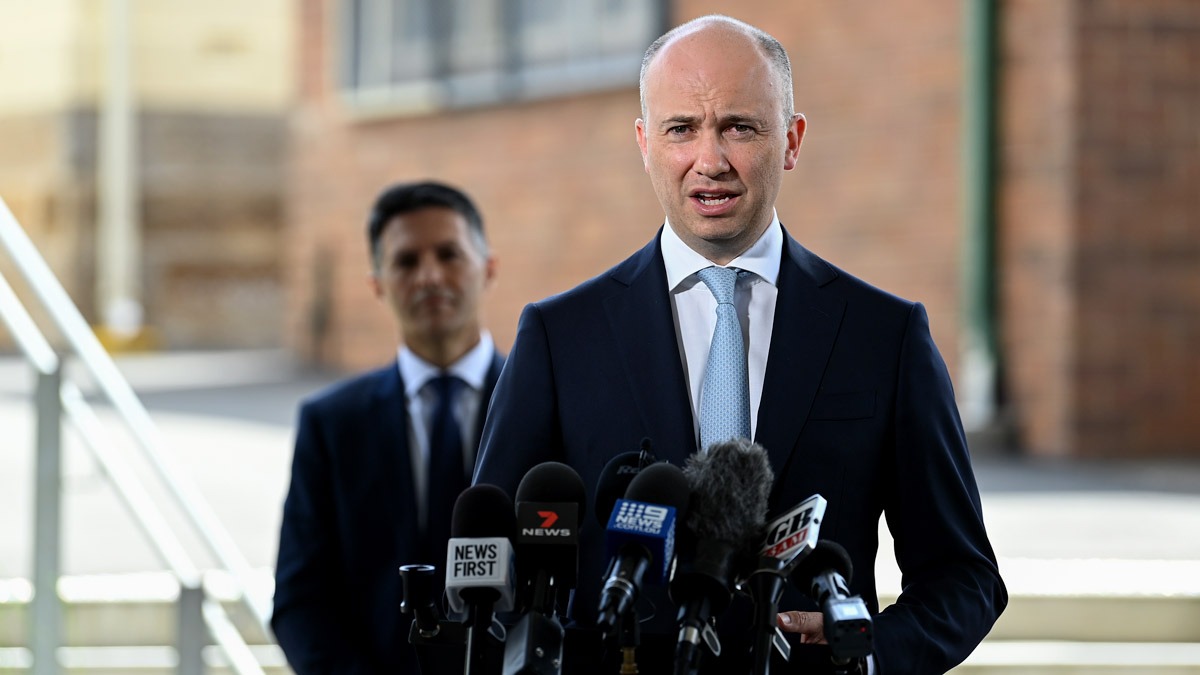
x=420, y=399
x=694, y=309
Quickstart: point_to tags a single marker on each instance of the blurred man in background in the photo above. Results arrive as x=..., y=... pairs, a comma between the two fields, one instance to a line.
x=381, y=458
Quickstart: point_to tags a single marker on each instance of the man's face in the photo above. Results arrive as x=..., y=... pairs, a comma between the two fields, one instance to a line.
x=714, y=140
x=432, y=274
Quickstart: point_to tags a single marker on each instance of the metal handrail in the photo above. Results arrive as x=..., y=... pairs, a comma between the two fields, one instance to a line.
x=38, y=351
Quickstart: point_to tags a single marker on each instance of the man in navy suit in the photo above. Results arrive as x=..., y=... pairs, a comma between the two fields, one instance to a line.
x=370, y=490
x=847, y=391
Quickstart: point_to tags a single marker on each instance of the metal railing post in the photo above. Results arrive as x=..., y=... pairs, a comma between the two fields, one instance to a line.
x=46, y=610
x=192, y=634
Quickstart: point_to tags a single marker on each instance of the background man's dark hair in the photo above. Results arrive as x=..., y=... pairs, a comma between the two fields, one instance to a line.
x=408, y=197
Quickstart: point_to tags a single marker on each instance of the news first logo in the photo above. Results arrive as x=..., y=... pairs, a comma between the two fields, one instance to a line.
x=476, y=559
x=795, y=531
x=479, y=562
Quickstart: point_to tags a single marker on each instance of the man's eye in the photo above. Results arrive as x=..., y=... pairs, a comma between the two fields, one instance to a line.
x=741, y=129
x=406, y=262
x=678, y=130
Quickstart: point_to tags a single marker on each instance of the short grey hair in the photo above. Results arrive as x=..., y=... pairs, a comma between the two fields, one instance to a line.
x=770, y=47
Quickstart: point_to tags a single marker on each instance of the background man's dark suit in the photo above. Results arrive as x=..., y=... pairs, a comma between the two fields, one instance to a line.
x=350, y=521
x=856, y=405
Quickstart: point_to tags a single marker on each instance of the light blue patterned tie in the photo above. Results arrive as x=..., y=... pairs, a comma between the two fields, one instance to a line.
x=725, y=393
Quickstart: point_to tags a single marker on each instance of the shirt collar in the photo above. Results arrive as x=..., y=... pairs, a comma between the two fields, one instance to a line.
x=472, y=368
x=762, y=258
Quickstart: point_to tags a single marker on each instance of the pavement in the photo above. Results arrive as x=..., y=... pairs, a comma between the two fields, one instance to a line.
x=225, y=422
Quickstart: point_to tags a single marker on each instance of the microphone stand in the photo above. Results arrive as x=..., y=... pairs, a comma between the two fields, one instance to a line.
x=628, y=639
x=766, y=586
x=849, y=666
x=428, y=628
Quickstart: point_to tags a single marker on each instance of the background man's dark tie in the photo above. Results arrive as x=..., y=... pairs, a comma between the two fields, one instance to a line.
x=447, y=475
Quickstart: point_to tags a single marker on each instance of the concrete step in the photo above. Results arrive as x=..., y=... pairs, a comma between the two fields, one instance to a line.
x=1063, y=617
x=1052, y=657
x=136, y=661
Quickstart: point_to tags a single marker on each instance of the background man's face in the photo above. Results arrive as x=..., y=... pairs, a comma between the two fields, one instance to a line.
x=432, y=275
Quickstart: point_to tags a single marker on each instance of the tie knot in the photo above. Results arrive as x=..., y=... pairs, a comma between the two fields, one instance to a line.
x=446, y=386
x=720, y=282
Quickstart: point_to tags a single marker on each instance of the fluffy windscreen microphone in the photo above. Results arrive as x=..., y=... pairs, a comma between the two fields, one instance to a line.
x=731, y=484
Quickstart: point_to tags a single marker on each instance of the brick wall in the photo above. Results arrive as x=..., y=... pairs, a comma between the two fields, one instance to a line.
x=1101, y=226
x=1138, y=268
x=562, y=188
x=1097, y=241
x=1035, y=220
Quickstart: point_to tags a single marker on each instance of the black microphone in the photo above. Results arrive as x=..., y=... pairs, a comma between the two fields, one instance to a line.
x=615, y=479
x=731, y=484
x=550, y=507
x=825, y=574
x=479, y=564
x=640, y=538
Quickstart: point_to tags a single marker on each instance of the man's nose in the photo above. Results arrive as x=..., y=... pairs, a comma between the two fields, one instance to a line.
x=429, y=271
x=711, y=160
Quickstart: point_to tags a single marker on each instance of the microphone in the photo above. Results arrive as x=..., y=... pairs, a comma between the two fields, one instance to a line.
x=826, y=574
x=550, y=505
x=788, y=540
x=616, y=476
x=479, y=563
x=640, y=538
x=730, y=483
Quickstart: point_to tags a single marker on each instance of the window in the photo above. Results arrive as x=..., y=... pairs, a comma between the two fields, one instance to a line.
x=398, y=55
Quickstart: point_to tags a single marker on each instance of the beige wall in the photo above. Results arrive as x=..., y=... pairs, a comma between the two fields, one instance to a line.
x=213, y=55
x=212, y=82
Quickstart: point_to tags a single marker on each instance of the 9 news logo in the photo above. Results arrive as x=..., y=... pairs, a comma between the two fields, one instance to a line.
x=639, y=517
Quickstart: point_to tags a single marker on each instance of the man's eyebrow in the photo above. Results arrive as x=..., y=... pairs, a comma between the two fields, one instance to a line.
x=676, y=120
x=748, y=120
x=727, y=120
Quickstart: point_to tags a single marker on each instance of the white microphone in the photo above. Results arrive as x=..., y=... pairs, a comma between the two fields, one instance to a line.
x=477, y=563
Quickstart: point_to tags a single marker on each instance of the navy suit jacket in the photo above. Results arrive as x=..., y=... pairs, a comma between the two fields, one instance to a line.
x=349, y=523
x=857, y=406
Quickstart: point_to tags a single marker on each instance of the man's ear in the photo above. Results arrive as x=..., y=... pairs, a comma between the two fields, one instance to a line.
x=795, y=136
x=490, y=266
x=639, y=129
x=375, y=284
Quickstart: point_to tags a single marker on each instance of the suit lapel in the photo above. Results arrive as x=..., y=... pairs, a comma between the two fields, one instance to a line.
x=806, y=326
x=389, y=420
x=489, y=385
x=644, y=333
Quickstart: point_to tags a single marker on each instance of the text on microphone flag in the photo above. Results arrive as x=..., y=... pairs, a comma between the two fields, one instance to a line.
x=795, y=531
